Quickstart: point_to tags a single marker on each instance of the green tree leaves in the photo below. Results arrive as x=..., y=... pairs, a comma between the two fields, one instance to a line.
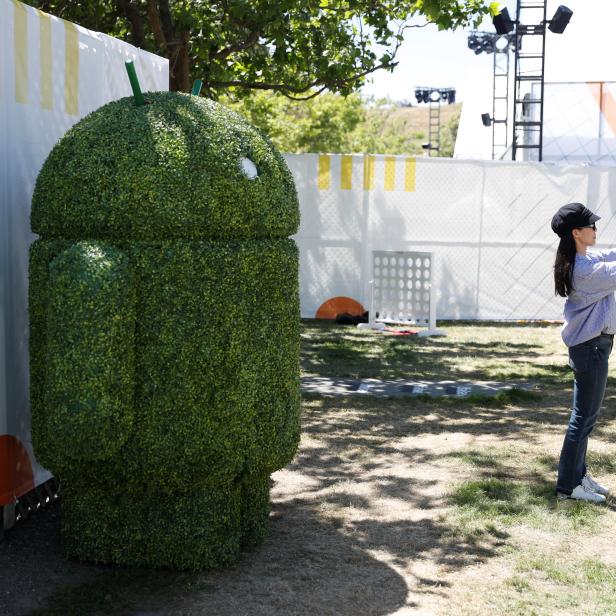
x=298, y=48
x=332, y=123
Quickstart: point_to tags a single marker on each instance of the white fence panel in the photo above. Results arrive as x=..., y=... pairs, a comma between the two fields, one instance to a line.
x=52, y=73
x=486, y=222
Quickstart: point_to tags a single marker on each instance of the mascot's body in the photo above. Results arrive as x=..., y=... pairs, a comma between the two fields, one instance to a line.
x=164, y=331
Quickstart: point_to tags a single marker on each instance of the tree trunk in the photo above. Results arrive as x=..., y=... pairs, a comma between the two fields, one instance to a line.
x=133, y=15
x=179, y=64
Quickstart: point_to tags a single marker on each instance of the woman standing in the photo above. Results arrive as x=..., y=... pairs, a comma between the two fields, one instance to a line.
x=588, y=281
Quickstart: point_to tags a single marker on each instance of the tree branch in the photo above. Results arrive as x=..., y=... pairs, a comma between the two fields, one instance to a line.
x=277, y=87
x=289, y=91
x=306, y=98
x=240, y=46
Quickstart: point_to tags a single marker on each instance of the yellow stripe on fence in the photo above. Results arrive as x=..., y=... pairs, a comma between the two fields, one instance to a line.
x=409, y=174
x=324, y=174
x=71, y=69
x=20, y=44
x=45, y=56
x=368, y=172
x=346, y=172
x=390, y=173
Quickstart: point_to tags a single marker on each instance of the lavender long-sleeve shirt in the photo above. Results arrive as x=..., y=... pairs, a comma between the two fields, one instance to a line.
x=591, y=309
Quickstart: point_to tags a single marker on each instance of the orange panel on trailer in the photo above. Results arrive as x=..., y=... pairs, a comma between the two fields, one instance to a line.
x=16, y=476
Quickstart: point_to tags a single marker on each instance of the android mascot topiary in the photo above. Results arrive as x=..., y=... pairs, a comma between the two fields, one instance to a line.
x=164, y=315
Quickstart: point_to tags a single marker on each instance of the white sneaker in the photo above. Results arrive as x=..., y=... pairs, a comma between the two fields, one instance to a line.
x=589, y=482
x=581, y=492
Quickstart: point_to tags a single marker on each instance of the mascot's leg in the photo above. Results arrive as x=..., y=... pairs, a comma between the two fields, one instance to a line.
x=199, y=530
x=255, y=508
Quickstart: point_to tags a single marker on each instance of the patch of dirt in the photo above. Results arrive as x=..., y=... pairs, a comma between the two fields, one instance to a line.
x=358, y=525
x=32, y=563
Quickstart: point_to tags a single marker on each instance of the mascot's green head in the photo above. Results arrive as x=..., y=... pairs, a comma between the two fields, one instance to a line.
x=178, y=167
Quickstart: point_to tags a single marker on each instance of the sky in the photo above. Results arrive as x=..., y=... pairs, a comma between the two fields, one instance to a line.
x=586, y=51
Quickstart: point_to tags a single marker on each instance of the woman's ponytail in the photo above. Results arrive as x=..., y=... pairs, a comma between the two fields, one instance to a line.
x=563, y=266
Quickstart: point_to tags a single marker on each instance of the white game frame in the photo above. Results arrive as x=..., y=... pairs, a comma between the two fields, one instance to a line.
x=402, y=291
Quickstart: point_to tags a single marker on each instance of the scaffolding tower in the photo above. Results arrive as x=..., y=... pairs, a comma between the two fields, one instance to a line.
x=500, y=100
x=434, y=127
x=531, y=24
x=434, y=97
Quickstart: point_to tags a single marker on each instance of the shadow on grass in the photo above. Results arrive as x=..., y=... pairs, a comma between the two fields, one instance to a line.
x=486, y=503
x=486, y=464
x=496, y=497
x=340, y=351
x=355, y=442
x=377, y=420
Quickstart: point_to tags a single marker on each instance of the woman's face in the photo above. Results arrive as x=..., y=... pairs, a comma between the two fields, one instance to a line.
x=586, y=236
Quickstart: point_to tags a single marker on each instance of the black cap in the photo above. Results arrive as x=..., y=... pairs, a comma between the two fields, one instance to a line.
x=572, y=216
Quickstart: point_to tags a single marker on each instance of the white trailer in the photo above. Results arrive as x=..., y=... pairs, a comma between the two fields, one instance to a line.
x=52, y=73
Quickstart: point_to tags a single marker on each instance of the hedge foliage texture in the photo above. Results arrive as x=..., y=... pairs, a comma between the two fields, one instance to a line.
x=164, y=331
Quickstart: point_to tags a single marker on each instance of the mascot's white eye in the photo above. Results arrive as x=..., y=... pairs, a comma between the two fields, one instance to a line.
x=249, y=169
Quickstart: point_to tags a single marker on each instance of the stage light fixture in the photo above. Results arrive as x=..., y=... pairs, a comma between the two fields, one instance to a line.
x=435, y=95
x=561, y=18
x=486, y=120
x=448, y=95
x=473, y=41
x=489, y=42
x=487, y=45
x=502, y=22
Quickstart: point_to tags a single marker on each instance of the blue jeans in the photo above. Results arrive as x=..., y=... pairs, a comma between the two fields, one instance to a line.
x=588, y=361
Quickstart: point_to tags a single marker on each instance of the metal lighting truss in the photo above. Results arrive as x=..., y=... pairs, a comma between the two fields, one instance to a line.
x=529, y=70
x=434, y=97
x=500, y=45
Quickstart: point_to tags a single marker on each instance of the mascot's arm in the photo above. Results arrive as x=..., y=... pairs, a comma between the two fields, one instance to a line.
x=90, y=351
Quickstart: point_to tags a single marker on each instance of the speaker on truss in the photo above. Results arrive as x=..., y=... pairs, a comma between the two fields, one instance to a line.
x=487, y=45
x=561, y=18
x=502, y=22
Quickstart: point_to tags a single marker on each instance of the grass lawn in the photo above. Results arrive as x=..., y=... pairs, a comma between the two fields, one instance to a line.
x=472, y=483
x=395, y=505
